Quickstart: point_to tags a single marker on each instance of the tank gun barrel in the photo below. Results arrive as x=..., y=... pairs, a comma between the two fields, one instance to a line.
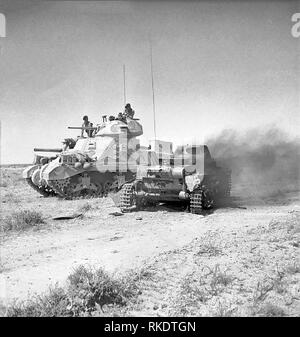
x=46, y=150
x=81, y=128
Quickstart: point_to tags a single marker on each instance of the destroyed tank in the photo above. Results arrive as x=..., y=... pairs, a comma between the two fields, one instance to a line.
x=191, y=178
x=97, y=164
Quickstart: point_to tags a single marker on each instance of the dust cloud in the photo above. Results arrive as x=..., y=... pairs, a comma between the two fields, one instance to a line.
x=265, y=163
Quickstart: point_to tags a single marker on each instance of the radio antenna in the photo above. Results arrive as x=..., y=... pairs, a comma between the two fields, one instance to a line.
x=152, y=82
x=124, y=83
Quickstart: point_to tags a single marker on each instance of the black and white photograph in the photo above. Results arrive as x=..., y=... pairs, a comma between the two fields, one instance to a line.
x=149, y=159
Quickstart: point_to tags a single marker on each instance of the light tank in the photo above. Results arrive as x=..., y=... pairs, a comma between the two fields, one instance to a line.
x=97, y=164
x=191, y=178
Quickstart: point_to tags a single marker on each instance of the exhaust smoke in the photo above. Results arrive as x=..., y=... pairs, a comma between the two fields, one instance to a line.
x=265, y=163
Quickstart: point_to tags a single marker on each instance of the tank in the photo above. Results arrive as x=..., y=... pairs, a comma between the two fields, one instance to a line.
x=42, y=158
x=191, y=178
x=97, y=164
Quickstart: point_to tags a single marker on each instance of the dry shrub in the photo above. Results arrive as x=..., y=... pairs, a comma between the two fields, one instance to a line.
x=22, y=220
x=293, y=268
x=86, y=293
x=210, y=244
x=86, y=207
x=270, y=310
x=198, y=288
x=55, y=303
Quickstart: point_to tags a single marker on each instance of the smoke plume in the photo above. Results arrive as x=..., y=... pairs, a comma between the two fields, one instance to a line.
x=264, y=163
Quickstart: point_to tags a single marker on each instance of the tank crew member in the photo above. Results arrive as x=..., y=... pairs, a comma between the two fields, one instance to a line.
x=87, y=124
x=129, y=112
x=121, y=117
x=68, y=143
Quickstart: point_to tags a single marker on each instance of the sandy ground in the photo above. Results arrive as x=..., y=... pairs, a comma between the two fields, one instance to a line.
x=164, y=239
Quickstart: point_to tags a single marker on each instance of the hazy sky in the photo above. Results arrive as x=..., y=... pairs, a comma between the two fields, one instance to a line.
x=217, y=65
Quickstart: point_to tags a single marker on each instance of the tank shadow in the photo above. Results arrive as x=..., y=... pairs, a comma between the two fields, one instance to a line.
x=175, y=207
x=231, y=202
x=279, y=197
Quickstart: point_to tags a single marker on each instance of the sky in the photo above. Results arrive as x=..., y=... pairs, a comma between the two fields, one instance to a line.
x=216, y=65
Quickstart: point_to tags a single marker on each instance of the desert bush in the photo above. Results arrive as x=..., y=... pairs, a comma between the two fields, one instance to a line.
x=270, y=310
x=90, y=289
x=193, y=290
x=218, y=280
x=262, y=289
x=3, y=184
x=85, y=208
x=293, y=268
x=140, y=274
x=11, y=197
x=294, y=225
x=87, y=291
x=280, y=284
x=22, y=220
x=55, y=303
x=210, y=245
x=198, y=288
x=223, y=309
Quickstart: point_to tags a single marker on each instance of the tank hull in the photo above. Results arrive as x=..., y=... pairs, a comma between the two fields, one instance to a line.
x=32, y=176
x=95, y=166
x=200, y=184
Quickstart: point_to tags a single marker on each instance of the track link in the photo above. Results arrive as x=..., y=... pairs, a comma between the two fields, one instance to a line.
x=196, y=202
x=45, y=191
x=65, y=189
x=127, y=197
x=228, y=185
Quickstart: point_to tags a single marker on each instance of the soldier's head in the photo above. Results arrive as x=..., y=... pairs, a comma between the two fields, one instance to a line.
x=85, y=118
x=127, y=106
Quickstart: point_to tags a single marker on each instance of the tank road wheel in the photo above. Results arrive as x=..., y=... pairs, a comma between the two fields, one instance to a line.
x=60, y=186
x=128, y=200
x=196, y=202
x=95, y=192
x=81, y=187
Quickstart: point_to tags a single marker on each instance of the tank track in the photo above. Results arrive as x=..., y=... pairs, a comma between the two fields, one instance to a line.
x=127, y=200
x=45, y=191
x=201, y=199
x=68, y=190
x=226, y=186
x=207, y=199
x=196, y=202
